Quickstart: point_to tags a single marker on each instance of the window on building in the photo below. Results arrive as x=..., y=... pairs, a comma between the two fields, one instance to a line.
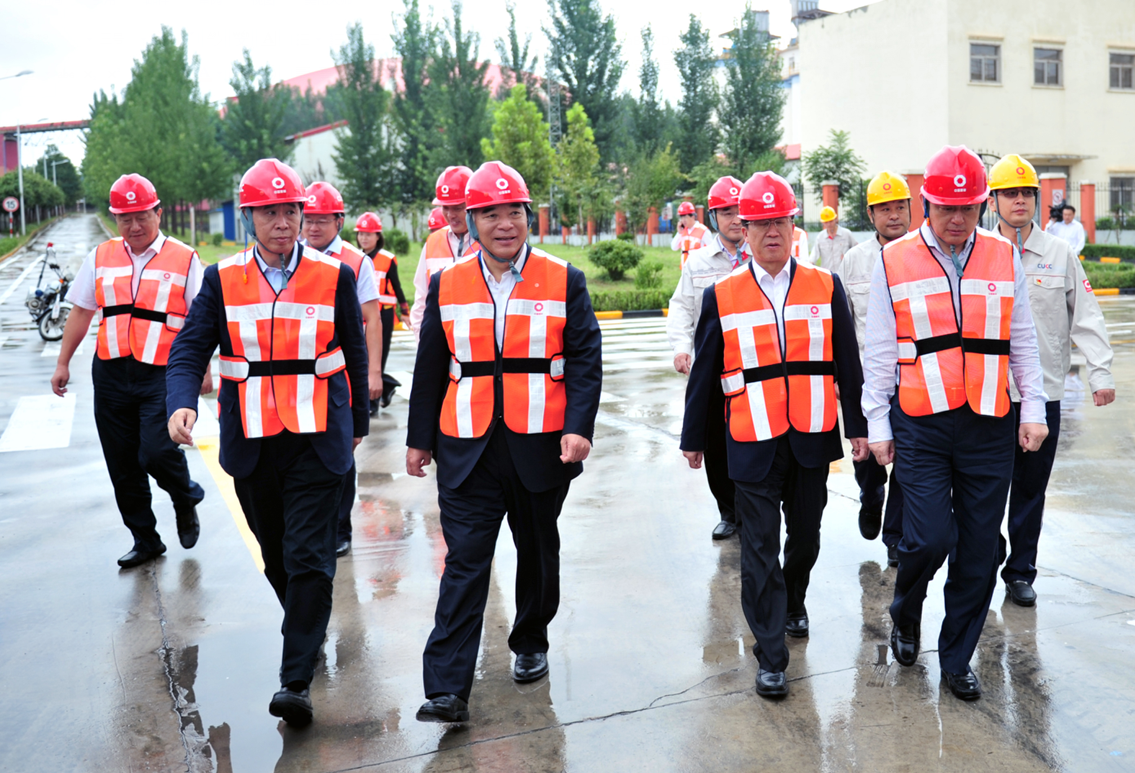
x=1047, y=66
x=1123, y=194
x=984, y=63
x=1122, y=71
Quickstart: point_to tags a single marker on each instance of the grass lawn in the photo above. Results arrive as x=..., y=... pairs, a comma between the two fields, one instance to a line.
x=1106, y=275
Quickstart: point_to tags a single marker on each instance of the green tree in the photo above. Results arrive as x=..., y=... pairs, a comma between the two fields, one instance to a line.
x=101, y=139
x=697, y=134
x=838, y=162
x=520, y=139
x=517, y=67
x=413, y=121
x=253, y=126
x=459, y=93
x=586, y=55
x=651, y=181
x=38, y=191
x=648, y=115
x=62, y=172
x=363, y=157
x=578, y=163
x=753, y=99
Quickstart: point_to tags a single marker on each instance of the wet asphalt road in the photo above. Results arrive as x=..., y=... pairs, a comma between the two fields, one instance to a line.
x=171, y=666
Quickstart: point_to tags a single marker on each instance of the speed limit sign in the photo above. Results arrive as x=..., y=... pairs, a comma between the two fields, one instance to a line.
x=11, y=204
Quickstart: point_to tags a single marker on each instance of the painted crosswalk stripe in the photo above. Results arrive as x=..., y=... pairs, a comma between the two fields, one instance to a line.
x=20, y=280
x=40, y=422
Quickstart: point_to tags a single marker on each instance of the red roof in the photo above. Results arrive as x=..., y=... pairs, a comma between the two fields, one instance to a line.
x=317, y=130
x=387, y=71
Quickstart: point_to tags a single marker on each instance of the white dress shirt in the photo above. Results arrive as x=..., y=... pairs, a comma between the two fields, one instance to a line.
x=880, y=366
x=501, y=291
x=82, y=292
x=1073, y=233
x=275, y=276
x=776, y=288
x=365, y=286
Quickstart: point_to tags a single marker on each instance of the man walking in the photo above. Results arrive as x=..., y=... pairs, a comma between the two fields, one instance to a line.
x=691, y=235
x=833, y=243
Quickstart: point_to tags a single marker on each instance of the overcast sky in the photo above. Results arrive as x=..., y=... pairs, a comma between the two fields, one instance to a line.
x=76, y=47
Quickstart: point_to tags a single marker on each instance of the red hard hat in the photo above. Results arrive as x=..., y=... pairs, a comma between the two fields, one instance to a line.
x=767, y=195
x=955, y=176
x=368, y=223
x=724, y=192
x=323, y=199
x=495, y=183
x=271, y=181
x=685, y=208
x=437, y=219
x=132, y=193
x=450, y=189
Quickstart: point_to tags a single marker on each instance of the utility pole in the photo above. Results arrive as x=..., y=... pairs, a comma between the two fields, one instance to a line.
x=555, y=131
x=20, y=175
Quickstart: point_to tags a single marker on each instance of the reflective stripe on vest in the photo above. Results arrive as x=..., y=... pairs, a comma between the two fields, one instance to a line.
x=439, y=254
x=282, y=346
x=767, y=394
x=940, y=369
x=383, y=260
x=144, y=325
x=532, y=363
x=694, y=240
x=351, y=256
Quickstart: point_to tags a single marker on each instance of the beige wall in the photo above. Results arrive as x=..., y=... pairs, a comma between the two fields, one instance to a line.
x=314, y=159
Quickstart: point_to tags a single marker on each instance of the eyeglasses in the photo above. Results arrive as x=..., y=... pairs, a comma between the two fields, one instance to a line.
x=778, y=223
x=1013, y=193
x=321, y=222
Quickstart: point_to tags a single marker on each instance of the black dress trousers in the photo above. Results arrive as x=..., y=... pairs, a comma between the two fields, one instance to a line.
x=717, y=459
x=471, y=516
x=130, y=414
x=291, y=503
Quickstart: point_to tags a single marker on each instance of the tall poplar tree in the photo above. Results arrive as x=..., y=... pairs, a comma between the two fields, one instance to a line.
x=413, y=120
x=363, y=157
x=698, y=135
x=253, y=126
x=648, y=115
x=458, y=94
x=753, y=99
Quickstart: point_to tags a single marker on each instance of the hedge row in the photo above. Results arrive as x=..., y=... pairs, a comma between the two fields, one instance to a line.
x=1097, y=251
x=630, y=300
x=1105, y=275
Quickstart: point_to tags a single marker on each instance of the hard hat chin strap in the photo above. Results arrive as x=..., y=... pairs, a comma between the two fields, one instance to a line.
x=711, y=216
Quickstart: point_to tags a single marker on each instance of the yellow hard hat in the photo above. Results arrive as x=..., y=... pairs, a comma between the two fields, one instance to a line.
x=1013, y=172
x=886, y=187
x=827, y=214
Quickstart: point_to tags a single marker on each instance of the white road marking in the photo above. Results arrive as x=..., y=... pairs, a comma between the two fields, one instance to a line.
x=52, y=349
x=207, y=425
x=20, y=280
x=40, y=422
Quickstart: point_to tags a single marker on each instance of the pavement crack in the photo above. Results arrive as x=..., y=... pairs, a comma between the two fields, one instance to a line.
x=691, y=687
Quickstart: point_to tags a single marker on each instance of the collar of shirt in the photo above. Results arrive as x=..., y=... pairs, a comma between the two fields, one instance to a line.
x=154, y=248
x=507, y=280
x=265, y=268
x=458, y=243
x=784, y=275
x=932, y=242
x=334, y=248
x=738, y=257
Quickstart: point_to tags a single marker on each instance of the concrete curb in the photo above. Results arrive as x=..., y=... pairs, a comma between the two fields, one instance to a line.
x=43, y=227
x=1114, y=291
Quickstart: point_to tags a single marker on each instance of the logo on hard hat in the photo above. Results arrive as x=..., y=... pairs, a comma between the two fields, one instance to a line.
x=886, y=186
x=768, y=198
x=131, y=195
x=1021, y=171
x=733, y=192
x=278, y=183
x=960, y=180
x=445, y=190
x=311, y=199
x=502, y=184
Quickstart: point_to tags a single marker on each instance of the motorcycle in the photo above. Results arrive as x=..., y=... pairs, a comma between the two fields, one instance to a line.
x=46, y=304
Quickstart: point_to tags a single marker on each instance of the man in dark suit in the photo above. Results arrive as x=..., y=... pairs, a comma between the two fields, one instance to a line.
x=293, y=405
x=506, y=388
x=777, y=337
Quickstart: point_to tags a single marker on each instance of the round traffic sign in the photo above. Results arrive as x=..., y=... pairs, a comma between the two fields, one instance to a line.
x=11, y=204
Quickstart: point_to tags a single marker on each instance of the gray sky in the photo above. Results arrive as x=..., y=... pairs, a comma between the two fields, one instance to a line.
x=77, y=47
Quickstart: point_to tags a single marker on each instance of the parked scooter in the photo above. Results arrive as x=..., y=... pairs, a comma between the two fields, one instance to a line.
x=46, y=304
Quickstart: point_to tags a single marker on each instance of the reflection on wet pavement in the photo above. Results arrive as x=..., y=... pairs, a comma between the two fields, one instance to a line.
x=651, y=663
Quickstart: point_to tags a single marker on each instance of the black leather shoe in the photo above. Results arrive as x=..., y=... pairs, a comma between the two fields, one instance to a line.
x=904, y=643
x=188, y=527
x=138, y=557
x=529, y=668
x=964, y=686
x=724, y=530
x=444, y=708
x=292, y=706
x=341, y=548
x=1021, y=593
x=893, y=555
x=797, y=625
x=771, y=684
x=870, y=522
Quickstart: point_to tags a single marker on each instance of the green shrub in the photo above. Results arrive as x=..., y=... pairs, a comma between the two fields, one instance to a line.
x=615, y=257
x=1097, y=251
x=396, y=241
x=218, y=239
x=626, y=236
x=630, y=300
x=1106, y=275
x=1104, y=224
x=648, y=276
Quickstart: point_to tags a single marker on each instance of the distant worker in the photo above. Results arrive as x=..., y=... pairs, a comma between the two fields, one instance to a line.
x=322, y=220
x=948, y=319
x=506, y=389
x=800, y=244
x=446, y=245
x=292, y=405
x=368, y=232
x=1065, y=311
x=141, y=285
x=833, y=243
x=722, y=253
x=437, y=219
x=888, y=208
x=691, y=235
x=1070, y=230
x=776, y=337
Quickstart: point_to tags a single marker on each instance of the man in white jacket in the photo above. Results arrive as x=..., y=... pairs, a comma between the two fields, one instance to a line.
x=717, y=259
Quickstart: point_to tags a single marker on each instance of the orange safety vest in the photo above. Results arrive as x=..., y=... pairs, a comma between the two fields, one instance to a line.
x=439, y=254
x=768, y=393
x=532, y=363
x=350, y=255
x=940, y=370
x=799, y=236
x=695, y=239
x=141, y=326
x=283, y=345
x=383, y=260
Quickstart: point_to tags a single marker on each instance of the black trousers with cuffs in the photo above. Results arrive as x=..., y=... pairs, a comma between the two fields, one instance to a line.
x=717, y=460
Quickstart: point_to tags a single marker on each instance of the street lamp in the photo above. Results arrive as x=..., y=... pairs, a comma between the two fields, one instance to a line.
x=17, y=75
x=20, y=160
